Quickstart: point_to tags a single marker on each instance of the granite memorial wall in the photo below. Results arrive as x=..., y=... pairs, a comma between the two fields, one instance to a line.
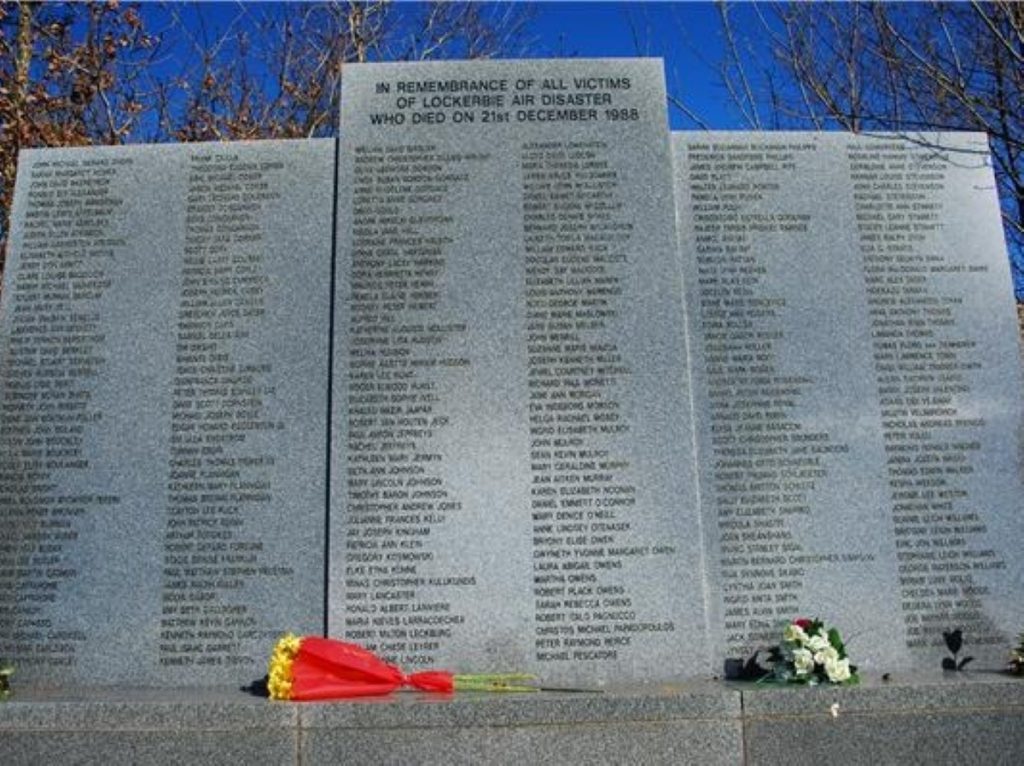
x=513, y=482
x=856, y=362
x=578, y=401
x=162, y=432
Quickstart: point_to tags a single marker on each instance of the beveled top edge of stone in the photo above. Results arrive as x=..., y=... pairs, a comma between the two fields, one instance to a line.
x=947, y=691
x=223, y=708
x=886, y=135
x=171, y=145
x=122, y=708
x=505, y=62
x=117, y=708
x=702, y=700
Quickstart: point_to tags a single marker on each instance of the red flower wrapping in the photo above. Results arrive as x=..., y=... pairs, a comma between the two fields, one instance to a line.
x=314, y=668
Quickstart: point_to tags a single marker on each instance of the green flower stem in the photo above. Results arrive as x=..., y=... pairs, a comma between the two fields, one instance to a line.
x=494, y=682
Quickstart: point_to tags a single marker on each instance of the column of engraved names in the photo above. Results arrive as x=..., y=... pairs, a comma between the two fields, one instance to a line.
x=766, y=464
x=582, y=489
x=51, y=360
x=924, y=361
x=399, y=591
x=217, y=478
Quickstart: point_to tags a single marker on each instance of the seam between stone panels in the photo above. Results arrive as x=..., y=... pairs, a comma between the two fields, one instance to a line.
x=296, y=714
x=1007, y=710
x=744, y=719
x=328, y=457
x=519, y=725
x=140, y=730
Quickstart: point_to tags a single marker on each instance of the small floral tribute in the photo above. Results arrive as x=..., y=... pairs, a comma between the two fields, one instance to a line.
x=313, y=668
x=6, y=671
x=1016, y=666
x=810, y=653
x=954, y=642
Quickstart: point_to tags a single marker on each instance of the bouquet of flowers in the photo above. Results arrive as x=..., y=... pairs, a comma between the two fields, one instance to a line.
x=314, y=668
x=1016, y=666
x=6, y=671
x=810, y=654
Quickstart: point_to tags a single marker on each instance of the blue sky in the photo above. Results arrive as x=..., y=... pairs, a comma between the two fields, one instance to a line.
x=686, y=35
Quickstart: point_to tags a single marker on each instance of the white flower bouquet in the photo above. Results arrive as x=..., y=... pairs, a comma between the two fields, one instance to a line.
x=810, y=654
x=1016, y=666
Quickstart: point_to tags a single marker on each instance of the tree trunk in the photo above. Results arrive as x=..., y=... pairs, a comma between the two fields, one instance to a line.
x=23, y=59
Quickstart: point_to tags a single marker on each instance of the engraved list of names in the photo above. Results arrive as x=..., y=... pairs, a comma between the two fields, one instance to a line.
x=855, y=352
x=163, y=424
x=512, y=482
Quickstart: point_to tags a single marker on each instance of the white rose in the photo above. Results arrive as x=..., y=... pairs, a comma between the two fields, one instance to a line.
x=826, y=655
x=837, y=670
x=818, y=642
x=803, y=662
x=794, y=634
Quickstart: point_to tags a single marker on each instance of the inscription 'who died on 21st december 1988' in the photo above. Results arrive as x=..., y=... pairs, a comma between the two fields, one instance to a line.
x=512, y=461
x=512, y=483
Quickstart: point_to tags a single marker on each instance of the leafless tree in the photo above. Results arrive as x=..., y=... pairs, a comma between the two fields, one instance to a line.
x=276, y=70
x=69, y=75
x=104, y=73
x=902, y=67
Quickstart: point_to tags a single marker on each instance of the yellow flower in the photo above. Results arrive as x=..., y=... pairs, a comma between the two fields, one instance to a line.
x=279, y=682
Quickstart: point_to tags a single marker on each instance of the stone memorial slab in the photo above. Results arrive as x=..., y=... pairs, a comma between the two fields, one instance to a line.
x=513, y=485
x=856, y=366
x=163, y=400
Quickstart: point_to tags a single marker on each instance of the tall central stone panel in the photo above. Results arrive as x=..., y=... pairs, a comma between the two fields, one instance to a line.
x=512, y=482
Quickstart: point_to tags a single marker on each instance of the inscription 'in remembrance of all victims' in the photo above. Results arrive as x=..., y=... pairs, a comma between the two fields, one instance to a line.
x=577, y=235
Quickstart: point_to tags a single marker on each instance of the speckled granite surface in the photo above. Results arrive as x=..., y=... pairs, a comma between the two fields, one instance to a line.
x=969, y=718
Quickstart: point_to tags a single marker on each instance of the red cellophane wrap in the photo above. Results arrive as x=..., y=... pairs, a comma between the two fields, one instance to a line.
x=324, y=668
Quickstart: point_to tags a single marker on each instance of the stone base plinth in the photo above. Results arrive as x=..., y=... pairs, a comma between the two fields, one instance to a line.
x=964, y=718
